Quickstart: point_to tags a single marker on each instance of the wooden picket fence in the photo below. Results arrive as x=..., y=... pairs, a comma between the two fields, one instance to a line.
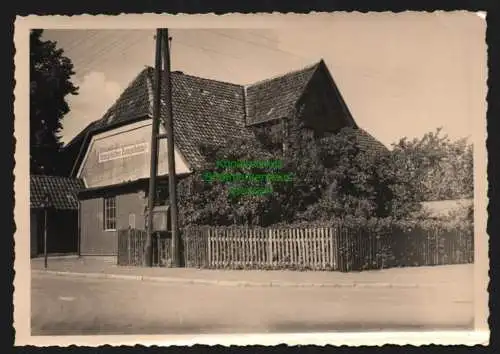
x=433, y=246
x=337, y=248
x=322, y=248
x=131, y=248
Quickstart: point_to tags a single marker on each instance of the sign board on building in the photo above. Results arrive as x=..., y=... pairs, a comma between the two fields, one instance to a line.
x=123, y=155
x=123, y=152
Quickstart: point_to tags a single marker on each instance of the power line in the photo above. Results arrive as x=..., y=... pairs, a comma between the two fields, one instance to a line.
x=113, y=42
x=121, y=45
x=262, y=36
x=124, y=49
x=256, y=44
x=82, y=40
x=121, y=42
x=95, y=44
x=206, y=53
x=207, y=50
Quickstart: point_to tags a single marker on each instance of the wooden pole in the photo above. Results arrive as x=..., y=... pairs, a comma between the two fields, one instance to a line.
x=79, y=235
x=45, y=236
x=154, y=151
x=169, y=126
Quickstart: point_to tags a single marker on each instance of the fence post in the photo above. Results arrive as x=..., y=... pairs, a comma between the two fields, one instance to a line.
x=330, y=241
x=437, y=242
x=269, y=247
x=129, y=251
x=207, y=234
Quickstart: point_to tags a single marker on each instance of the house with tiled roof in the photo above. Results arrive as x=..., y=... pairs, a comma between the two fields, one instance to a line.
x=54, y=207
x=111, y=155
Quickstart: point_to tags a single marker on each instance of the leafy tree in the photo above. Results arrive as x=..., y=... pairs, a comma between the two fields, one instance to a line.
x=332, y=177
x=50, y=75
x=204, y=202
x=358, y=182
x=438, y=167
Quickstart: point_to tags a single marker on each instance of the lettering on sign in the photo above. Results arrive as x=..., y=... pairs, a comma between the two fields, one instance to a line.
x=123, y=152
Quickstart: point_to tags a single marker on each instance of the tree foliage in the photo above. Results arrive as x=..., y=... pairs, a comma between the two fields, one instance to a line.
x=356, y=182
x=50, y=83
x=333, y=178
x=439, y=168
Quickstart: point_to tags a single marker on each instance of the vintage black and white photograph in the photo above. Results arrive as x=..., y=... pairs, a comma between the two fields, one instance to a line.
x=286, y=179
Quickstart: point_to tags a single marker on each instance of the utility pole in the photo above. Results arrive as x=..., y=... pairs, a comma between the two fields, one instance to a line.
x=169, y=125
x=46, y=205
x=154, y=150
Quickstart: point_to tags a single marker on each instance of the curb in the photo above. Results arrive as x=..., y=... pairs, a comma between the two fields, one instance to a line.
x=233, y=283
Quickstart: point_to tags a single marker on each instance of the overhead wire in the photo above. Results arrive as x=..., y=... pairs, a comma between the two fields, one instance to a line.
x=122, y=43
x=88, y=50
x=262, y=36
x=255, y=43
x=207, y=49
x=207, y=54
x=120, y=46
x=85, y=38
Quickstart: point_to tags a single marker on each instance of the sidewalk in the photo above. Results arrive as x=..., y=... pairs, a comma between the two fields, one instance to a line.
x=396, y=277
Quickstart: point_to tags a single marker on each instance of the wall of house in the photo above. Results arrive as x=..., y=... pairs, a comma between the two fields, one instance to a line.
x=122, y=155
x=319, y=108
x=62, y=231
x=271, y=134
x=444, y=208
x=62, y=228
x=94, y=240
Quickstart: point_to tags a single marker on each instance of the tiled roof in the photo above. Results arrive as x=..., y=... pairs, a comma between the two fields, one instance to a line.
x=133, y=103
x=369, y=143
x=275, y=98
x=62, y=191
x=207, y=111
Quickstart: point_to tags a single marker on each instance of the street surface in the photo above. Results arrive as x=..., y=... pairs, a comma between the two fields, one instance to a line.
x=63, y=305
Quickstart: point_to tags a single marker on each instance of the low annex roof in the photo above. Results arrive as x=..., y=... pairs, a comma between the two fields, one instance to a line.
x=62, y=191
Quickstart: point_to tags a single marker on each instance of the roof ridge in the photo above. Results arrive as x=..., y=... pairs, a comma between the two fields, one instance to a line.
x=279, y=76
x=180, y=72
x=53, y=176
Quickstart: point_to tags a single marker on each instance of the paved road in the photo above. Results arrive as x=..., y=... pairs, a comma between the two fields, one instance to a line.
x=73, y=306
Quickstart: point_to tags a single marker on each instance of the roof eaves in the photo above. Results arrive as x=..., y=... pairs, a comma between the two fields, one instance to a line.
x=80, y=154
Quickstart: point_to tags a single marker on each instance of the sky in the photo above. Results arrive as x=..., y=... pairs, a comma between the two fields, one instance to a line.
x=400, y=75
